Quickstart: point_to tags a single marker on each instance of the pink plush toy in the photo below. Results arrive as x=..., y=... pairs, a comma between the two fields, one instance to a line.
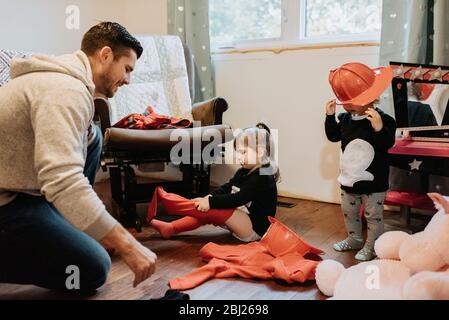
x=409, y=267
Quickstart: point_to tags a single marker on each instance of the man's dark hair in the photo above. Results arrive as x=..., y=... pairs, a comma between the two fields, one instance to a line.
x=110, y=34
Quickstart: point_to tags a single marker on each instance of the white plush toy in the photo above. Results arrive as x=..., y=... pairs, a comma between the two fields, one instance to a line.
x=410, y=267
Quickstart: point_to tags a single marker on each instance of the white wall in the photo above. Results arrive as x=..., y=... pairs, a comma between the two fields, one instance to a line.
x=146, y=16
x=40, y=25
x=288, y=91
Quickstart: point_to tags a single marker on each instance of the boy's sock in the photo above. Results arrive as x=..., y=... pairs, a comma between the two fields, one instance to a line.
x=168, y=229
x=349, y=244
x=366, y=254
x=350, y=205
x=374, y=209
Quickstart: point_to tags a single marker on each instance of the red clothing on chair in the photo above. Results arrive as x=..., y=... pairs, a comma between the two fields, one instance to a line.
x=150, y=120
x=281, y=254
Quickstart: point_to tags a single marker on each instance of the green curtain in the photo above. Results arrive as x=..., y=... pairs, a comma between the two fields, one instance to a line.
x=189, y=19
x=415, y=31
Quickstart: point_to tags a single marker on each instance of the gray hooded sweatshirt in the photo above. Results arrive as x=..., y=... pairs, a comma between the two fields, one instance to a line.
x=45, y=115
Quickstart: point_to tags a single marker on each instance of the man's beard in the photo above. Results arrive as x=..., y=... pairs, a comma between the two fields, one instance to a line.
x=109, y=85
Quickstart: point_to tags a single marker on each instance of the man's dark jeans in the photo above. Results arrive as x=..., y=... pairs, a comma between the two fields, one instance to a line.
x=39, y=247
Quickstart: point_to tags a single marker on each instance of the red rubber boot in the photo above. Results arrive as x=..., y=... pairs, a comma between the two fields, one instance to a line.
x=177, y=205
x=168, y=229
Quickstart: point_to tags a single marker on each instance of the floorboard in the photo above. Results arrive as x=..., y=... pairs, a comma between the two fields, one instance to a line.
x=319, y=224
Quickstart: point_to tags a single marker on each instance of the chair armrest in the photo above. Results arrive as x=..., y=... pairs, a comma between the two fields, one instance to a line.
x=210, y=112
x=102, y=113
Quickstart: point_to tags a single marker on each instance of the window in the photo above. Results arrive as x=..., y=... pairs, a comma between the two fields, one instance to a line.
x=240, y=23
x=341, y=17
x=233, y=21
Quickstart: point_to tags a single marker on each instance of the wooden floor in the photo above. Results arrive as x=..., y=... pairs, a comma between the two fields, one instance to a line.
x=317, y=223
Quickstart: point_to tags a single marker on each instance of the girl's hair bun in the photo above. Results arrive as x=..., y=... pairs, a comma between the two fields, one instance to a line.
x=263, y=126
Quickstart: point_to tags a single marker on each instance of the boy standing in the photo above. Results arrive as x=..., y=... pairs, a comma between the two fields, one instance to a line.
x=366, y=133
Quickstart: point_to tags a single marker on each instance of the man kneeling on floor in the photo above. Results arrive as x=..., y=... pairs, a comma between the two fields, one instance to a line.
x=52, y=222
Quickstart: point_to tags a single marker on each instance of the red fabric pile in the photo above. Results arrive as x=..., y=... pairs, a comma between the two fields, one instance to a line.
x=281, y=254
x=151, y=121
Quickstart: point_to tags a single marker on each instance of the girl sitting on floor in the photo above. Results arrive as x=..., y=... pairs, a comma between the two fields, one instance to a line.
x=242, y=205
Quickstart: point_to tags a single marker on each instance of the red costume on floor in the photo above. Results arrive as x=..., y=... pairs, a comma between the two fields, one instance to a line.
x=281, y=254
x=177, y=205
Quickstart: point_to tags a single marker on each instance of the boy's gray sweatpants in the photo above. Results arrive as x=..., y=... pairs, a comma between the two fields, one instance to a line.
x=374, y=208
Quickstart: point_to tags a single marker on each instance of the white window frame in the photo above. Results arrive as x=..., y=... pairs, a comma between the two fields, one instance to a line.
x=293, y=32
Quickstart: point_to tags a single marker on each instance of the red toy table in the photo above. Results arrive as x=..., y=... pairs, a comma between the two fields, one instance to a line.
x=408, y=200
x=420, y=148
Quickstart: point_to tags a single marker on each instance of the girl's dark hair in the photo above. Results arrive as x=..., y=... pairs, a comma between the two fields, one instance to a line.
x=263, y=126
x=269, y=144
x=113, y=35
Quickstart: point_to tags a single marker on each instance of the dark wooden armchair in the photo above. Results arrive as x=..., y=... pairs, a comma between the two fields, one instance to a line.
x=125, y=148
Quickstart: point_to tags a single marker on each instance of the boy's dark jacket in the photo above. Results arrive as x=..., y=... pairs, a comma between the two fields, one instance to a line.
x=347, y=130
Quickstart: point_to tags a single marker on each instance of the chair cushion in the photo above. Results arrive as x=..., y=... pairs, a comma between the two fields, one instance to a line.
x=162, y=141
x=6, y=57
x=159, y=79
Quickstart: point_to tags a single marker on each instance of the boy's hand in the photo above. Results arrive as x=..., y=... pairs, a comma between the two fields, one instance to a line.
x=203, y=204
x=375, y=119
x=331, y=107
x=439, y=201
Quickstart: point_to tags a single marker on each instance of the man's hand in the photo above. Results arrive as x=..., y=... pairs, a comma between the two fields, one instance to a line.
x=375, y=119
x=331, y=107
x=203, y=204
x=439, y=201
x=139, y=259
x=142, y=261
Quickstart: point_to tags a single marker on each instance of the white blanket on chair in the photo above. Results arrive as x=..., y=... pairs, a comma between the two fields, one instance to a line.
x=159, y=79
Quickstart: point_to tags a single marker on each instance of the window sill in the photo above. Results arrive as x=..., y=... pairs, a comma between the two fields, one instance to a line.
x=278, y=49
